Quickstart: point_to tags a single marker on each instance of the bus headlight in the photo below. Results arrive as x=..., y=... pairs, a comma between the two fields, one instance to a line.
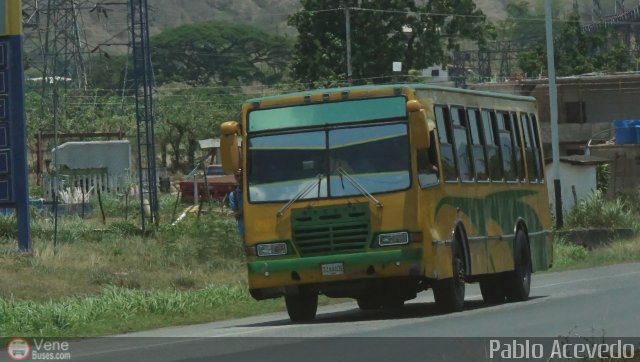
x=393, y=239
x=271, y=249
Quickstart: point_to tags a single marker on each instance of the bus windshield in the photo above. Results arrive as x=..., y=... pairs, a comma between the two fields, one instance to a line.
x=376, y=156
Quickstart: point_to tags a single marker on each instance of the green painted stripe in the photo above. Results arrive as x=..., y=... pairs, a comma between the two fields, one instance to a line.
x=539, y=252
x=274, y=266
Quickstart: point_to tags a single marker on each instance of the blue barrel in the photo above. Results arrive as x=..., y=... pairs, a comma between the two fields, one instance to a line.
x=625, y=131
x=636, y=123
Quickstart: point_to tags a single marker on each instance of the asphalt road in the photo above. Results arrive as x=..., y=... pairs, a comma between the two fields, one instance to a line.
x=585, y=305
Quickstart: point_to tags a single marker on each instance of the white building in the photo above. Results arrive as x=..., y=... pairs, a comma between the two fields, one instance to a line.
x=577, y=179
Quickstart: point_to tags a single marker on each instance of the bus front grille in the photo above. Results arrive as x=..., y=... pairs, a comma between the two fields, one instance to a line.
x=331, y=229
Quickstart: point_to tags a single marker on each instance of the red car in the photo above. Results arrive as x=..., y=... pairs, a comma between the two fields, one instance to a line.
x=218, y=183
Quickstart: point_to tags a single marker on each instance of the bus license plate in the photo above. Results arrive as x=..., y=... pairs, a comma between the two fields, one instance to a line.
x=333, y=269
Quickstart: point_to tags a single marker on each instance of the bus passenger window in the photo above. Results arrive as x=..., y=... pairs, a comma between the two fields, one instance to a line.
x=477, y=145
x=506, y=147
x=460, y=128
x=528, y=148
x=492, y=149
x=537, y=148
x=445, y=136
x=514, y=127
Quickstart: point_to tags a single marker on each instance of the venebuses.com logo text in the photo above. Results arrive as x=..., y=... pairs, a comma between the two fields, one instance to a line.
x=21, y=349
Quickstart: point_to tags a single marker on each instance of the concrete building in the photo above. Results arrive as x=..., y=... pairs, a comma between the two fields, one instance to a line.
x=587, y=105
x=579, y=178
x=624, y=166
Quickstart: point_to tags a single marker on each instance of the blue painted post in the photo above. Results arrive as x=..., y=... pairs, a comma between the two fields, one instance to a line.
x=14, y=176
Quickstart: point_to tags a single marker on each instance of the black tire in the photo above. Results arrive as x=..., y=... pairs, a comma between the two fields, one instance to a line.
x=392, y=303
x=301, y=307
x=518, y=282
x=449, y=293
x=492, y=290
x=368, y=303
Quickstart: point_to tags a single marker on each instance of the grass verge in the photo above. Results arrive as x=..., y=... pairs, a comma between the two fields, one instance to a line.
x=568, y=256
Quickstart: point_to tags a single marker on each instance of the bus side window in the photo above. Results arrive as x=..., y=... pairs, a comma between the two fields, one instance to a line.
x=537, y=148
x=428, y=174
x=528, y=148
x=461, y=139
x=514, y=127
x=506, y=148
x=477, y=145
x=491, y=146
x=445, y=135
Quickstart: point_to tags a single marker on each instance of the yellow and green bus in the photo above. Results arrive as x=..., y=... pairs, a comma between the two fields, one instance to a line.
x=379, y=192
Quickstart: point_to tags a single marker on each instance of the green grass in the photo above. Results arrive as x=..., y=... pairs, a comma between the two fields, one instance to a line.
x=131, y=309
x=595, y=211
x=567, y=256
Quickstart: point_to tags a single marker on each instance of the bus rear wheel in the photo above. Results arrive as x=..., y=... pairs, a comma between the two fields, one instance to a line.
x=449, y=293
x=518, y=282
x=302, y=307
x=369, y=303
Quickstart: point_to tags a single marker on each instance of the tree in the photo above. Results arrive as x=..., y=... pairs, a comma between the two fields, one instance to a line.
x=107, y=72
x=382, y=31
x=525, y=26
x=218, y=52
x=185, y=115
x=576, y=51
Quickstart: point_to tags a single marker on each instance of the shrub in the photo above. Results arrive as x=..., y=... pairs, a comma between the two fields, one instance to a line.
x=595, y=211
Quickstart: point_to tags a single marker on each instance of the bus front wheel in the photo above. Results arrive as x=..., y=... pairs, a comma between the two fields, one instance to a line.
x=449, y=293
x=302, y=307
x=518, y=282
x=492, y=289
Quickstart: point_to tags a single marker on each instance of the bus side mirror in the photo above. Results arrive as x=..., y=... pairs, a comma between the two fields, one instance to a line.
x=419, y=125
x=229, y=151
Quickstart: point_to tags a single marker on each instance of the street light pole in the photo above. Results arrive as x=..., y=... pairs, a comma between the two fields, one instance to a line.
x=553, y=113
x=347, y=18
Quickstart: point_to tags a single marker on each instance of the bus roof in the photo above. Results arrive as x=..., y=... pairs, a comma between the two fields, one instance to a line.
x=416, y=86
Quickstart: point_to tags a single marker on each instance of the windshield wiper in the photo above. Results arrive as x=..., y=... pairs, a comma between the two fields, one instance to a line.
x=359, y=187
x=302, y=193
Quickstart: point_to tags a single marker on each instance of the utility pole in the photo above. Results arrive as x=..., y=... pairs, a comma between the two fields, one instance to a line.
x=553, y=113
x=347, y=18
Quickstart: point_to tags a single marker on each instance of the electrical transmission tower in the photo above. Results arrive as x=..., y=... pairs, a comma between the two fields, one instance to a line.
x=58, y=50
x=54, y=37
x=56, y=47
x=143, y=87
x=625, y=21
x=499, y=55
x=596, y=11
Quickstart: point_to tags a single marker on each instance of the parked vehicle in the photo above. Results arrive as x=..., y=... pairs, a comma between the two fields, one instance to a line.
x=218, y=183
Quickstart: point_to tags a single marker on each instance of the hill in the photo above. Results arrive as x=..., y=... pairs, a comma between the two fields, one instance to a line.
x=104, y=27
x=268, y=15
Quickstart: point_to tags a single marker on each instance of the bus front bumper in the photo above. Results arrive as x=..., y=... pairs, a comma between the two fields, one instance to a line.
x=274, y=278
